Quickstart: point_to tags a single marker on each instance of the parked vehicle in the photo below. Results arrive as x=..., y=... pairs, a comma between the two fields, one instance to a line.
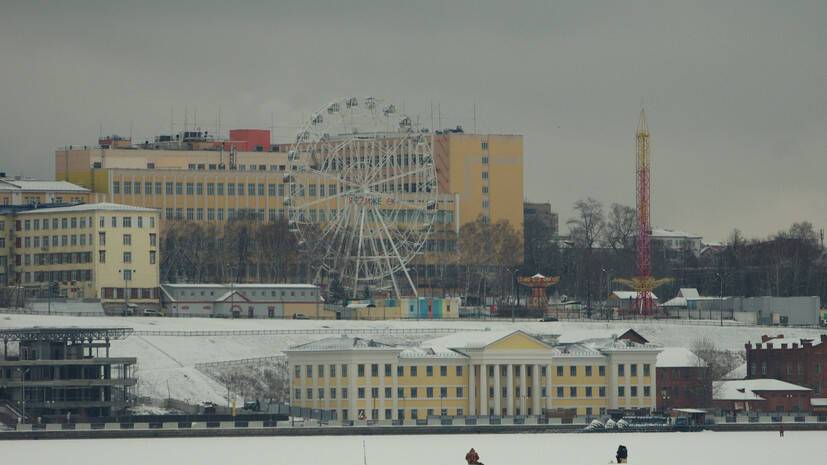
x=300, y=316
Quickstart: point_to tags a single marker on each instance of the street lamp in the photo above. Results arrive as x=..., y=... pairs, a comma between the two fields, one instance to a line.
x=721, y=297
x=23, y=372
x=513, y=304
x=127, y=276
x=608, y=290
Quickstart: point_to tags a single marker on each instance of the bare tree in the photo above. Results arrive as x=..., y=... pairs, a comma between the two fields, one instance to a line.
x=621, y=227
x=717, y=362
x=586, y=229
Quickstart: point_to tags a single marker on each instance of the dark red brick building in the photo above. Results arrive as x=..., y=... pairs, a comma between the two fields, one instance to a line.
x=683, y=380
x=761, y=395
x=797, y=361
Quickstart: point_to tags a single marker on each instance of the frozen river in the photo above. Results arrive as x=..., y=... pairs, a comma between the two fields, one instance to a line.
x=704, y=448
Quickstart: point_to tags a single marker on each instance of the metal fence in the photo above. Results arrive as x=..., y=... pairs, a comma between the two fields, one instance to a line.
x=257, y=361
x=332, y=331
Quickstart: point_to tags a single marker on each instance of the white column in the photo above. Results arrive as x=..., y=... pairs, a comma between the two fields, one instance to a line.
x=368, y=392
x=535, y=389
x=483, y=390
x=548, y=386
x=509, y=386
x=394, y=390
x=314, y=385
x=381, y=404
x=497, y=391
x=327, y=380
x=472, y=401
x=523, y=389
x=352, y=413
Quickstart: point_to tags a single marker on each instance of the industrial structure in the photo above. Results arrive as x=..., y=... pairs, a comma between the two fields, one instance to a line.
x=643, y=284
x=64, y=372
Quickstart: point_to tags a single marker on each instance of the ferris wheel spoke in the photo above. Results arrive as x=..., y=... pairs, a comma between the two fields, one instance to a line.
x=396, y=251
x=323, y=174
x=401, y=175
x=323, y=199
x=359, y=247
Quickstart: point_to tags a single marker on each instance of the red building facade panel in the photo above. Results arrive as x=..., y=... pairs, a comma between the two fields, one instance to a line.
x=683, y=387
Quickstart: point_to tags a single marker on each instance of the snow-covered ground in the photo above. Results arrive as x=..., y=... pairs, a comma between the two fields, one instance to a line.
x=166, y=364
x=756, y=448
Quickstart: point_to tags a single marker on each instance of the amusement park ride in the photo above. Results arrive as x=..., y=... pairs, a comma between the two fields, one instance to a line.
x=538, y=285
x=644, y=283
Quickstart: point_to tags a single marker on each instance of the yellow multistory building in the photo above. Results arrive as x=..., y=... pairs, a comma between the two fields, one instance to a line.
x=477, y=175
x=487, y=373
x=98, y=251
x=22, y=192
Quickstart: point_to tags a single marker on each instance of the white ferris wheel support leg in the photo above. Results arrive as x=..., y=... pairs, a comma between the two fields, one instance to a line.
x=395, y=251
x=387, y=258
x=359, y=247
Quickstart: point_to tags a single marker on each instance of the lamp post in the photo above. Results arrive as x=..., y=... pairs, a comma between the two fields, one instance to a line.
x=127, y=276
x=721, y=297
x=23, y=373
x=513, y=272
x=608, y=273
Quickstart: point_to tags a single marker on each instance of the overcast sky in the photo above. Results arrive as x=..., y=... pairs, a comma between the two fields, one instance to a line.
x=735, y=91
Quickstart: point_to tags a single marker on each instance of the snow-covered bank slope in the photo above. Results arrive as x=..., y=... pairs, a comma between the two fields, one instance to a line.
x=166, y=363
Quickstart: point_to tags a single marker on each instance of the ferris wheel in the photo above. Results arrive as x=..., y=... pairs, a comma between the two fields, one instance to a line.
x=362, y=193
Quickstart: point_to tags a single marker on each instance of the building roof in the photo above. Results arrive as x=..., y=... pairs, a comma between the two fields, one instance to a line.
x=238, y=286
x=689, y=293
x=470, y=340
x=745, y=389
x=777, y=341
x=740, y=372
x=626, y=295
x=669, y=233
x=88, y=207
x=30, y=185
x=343, y=342
x=678, y=357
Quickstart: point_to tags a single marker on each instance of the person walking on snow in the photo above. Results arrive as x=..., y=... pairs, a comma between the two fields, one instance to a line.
x=781, y=431
x=472, y=457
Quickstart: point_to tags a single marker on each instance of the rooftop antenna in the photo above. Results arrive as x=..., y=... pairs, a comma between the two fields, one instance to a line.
x=186, y=112
x=218, y=124
x=171, y=119
x=439, y=114
x=432, y=115
x=130, y=130
x=475, y=116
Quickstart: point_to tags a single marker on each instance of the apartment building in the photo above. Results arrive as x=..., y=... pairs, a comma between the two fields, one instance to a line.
x=102, y=251
x=496, y=373
x=23, y=192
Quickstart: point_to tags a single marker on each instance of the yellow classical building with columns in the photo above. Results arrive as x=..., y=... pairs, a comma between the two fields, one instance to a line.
x=486, y=373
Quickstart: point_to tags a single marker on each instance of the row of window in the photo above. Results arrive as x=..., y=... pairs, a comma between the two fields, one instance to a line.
x=799, y=368
x=64, y=240
x=387, y=370
x=55, y=276
x=361, y=393
x=82, y=222
x=127, y=257
x=443, y=370
x=134, y=293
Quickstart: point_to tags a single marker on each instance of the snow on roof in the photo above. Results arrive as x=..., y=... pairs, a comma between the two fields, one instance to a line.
x=343, y=342
x=657, y=232
x=429, y=352
x=238, y=286
x=38, y=185
x=677, y=357
x=744, y=389
x=818, y=402
x=85, y=207
x=469, y=340
x=676, y=302
x=625, y=295
x=689, y=293
x=777, y=341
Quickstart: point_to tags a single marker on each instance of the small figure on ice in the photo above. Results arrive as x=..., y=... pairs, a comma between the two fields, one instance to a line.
x=472, y=457
x=781, y=431
x=622, y=454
